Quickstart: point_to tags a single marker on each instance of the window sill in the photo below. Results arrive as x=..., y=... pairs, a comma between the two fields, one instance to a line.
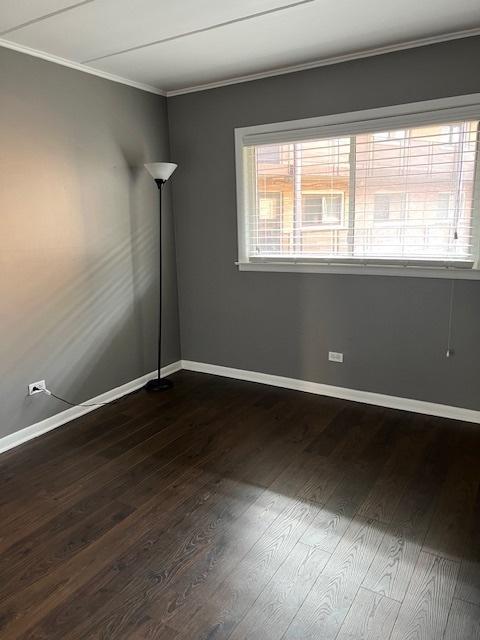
x=449, y=273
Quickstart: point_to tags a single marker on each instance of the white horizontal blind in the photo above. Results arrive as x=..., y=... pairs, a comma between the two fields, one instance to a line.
x=403, y=195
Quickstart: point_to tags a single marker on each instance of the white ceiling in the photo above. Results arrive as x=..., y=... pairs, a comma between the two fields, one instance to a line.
x=182, y=44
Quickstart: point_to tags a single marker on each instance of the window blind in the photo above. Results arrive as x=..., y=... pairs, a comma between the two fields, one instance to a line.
x=402, y=195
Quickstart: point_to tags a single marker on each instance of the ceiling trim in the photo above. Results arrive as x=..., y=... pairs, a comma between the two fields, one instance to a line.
x=366, y=53
x=64, y=62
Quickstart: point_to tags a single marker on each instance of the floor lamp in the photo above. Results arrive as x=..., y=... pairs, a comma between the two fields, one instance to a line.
x=160, y=172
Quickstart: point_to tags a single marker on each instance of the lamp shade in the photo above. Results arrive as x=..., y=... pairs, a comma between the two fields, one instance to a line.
x=161, y=170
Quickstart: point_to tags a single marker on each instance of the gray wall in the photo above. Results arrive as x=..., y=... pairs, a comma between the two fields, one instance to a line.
x=78, y=236
x=392, y=330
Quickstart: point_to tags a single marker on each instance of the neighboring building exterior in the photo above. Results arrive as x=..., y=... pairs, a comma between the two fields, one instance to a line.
x=387, y=193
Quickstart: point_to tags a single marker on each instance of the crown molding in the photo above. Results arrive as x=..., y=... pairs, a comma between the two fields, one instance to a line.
x=64, y=62
x=358, y=55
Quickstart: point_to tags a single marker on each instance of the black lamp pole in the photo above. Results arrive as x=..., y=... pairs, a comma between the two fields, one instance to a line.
x=159, y=383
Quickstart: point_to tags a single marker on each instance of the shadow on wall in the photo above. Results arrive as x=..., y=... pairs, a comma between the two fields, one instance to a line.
x=142, y=284
x=80, y=285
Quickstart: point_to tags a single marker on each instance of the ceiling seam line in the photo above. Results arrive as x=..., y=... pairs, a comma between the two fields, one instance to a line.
x=45, y=17
x=197, y=31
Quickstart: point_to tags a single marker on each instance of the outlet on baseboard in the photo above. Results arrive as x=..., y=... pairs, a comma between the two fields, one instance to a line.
x=334, y=356
x=36, y=387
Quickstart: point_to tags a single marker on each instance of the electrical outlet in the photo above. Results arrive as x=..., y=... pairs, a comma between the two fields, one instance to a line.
x=333, y=356
x=37, y=387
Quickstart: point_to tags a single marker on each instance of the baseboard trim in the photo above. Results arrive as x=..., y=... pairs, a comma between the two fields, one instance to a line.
x=367, y=397
x=59, y=419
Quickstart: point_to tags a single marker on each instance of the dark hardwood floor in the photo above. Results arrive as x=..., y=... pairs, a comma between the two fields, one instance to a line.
x=225, y=509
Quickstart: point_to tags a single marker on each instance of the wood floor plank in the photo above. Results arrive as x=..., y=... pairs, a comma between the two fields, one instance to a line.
x=371, y=617
x=339, y=428
x=392, y=567
x=83, y=434
x=424, y=612
x=219, y=615
x=391, y=482
x=75, y=450
x=135, y=629
x=468, y=584
x=261, y=470
x=194, y=432
x=24, y=610
x=335, y=516
x=463, y=621
x=32, y=563
x=87, y=497
x=326, y=606
x=152, y=631
x=107, y=577
x=419, y=500
x=159, y=574
x=272, y=612
x=114, y=481
x=35, y=594
x=227, y=509
x=233, y=543
x=356, y=481
x=157, y=536
x=53, y=444
x=96, y=470
x=451, y=523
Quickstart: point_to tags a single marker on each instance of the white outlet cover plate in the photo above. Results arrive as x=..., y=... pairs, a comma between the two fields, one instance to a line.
x=36, y=387
x=334, y=356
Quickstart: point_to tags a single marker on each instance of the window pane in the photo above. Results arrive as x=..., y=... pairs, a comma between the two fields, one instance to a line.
x=270, y=211
x=403, y=193
x=389, y=206
x=333, y=208
x=312, y=181
x=420, y=186
x=312, y=209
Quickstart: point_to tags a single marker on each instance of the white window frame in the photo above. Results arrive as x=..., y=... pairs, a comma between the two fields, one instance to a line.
x=404, y=116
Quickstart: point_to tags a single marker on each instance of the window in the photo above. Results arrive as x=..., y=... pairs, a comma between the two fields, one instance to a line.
x=389, y=206
x=338, y=194
x=320, y=209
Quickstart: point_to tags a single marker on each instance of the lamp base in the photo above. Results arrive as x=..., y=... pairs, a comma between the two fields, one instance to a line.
x=159, y=384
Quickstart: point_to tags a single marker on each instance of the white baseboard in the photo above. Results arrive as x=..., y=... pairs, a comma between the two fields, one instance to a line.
x=367, y=397
x=59, y=419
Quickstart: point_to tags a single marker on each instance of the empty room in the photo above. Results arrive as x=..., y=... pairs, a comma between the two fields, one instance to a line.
x=239, y=320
